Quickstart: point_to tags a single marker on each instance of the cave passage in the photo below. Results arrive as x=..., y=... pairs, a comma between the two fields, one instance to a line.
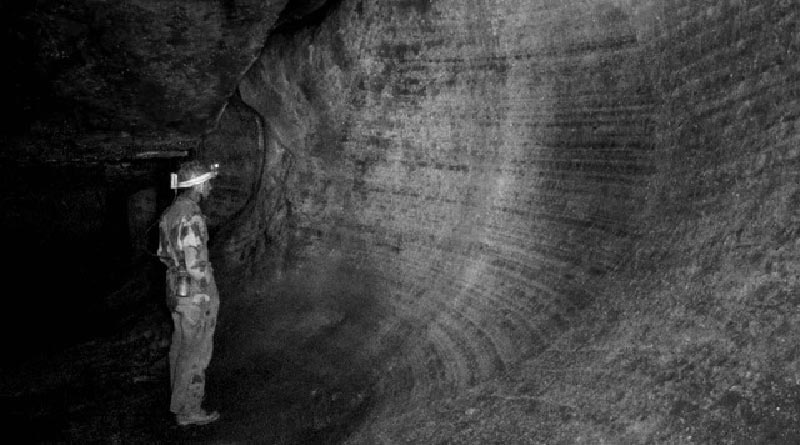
x=436, y=222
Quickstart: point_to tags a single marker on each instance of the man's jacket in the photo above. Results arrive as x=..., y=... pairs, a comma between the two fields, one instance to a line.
x=183, y=246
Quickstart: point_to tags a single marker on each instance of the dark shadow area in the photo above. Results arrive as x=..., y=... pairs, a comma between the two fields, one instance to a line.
x=63, y=258
x=287, y=369
x=303, y=14
x=72, y=272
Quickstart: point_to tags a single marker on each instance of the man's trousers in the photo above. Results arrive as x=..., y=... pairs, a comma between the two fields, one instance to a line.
x=190, y=353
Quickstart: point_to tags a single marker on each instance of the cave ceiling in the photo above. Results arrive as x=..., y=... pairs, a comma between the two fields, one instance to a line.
x=160, y=70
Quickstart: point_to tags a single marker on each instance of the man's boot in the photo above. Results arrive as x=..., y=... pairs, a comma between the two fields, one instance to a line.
x=198, y=418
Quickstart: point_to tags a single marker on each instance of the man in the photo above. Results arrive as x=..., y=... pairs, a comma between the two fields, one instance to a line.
x=191, y=293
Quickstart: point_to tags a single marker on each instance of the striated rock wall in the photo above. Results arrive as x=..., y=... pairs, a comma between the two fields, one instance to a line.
x=483, y=159
x=529, y=178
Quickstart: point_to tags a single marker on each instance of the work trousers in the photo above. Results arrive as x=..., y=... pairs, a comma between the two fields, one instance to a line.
x=190, y=353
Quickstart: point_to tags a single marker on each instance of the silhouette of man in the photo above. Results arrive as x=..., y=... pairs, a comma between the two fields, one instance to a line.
x=191, y=293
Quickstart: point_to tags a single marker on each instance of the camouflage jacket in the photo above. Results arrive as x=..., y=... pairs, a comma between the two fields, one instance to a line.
x=183, y=245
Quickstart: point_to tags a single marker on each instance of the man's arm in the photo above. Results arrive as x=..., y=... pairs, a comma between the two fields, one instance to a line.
x=195, y=249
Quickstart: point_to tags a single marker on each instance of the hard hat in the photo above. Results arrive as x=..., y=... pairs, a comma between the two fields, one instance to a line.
x=192, y=173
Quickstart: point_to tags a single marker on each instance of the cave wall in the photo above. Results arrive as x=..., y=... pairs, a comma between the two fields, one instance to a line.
x=556, y=186
x=484, y=160
x=707, y=328
x=247, y=210
x=236, y=148
x=133, y=66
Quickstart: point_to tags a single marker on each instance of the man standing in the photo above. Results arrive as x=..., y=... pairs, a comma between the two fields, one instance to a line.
x=191, y=292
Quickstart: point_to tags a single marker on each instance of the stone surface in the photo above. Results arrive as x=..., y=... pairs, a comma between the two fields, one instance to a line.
x=133, y=65
x=486, y=164
x=563, y=193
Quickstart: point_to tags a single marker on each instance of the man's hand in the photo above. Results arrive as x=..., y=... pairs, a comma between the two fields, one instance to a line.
x=199, y=298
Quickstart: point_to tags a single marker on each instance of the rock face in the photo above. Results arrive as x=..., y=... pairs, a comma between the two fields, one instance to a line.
x=570, y=192
x=488, y=161
x=132, y=65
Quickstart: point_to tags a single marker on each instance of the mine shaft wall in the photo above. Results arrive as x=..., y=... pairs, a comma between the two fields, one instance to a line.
x=504, y=165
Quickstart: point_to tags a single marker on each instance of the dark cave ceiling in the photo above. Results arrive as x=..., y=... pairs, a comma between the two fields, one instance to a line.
x=150, y=67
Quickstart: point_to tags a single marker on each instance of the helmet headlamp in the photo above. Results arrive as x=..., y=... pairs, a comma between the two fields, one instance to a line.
x=174, y=184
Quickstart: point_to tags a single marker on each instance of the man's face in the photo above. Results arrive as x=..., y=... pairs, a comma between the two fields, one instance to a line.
x=205, y=189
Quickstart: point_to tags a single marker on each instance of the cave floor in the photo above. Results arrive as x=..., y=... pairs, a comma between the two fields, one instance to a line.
x=285, y=371
x=116, y=390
